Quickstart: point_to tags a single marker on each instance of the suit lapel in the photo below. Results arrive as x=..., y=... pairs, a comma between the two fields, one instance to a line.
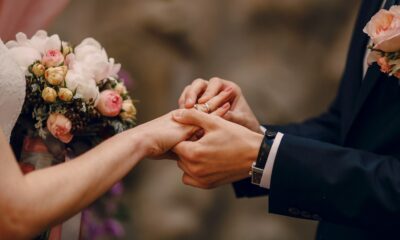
x=363, y=86
x=368, y=84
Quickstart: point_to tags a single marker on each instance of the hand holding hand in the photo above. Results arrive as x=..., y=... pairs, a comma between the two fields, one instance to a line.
x=215, y=93
x=224, y=154
x=161, y=134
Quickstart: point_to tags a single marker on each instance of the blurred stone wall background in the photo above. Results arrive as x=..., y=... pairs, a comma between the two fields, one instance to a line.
x=287, y=56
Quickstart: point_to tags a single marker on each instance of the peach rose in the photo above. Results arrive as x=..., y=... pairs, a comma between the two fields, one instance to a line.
x=60, y=127
x=53, y=58
x=56, y=75
x=38, y=69
x=110, y=103
x=120, y=88
x=129, y=110
x=384, y=29
x=49, y=94
x=397, y=74
x=65, y=94
x=383, y=62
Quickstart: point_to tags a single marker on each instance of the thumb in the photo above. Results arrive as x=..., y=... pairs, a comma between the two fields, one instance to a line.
x=193, y=117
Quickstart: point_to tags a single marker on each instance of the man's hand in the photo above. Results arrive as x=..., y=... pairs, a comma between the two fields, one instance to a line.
x=215, y=93
x=163, y=133
x=223, y=155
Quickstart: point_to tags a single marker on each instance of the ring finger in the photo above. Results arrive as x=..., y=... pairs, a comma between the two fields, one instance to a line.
x=219, y=100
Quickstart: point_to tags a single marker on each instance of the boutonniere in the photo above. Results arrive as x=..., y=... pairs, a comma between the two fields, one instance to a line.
x=384, y=31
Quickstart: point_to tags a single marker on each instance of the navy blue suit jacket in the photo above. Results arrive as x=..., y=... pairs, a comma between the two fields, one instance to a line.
x=343, y=167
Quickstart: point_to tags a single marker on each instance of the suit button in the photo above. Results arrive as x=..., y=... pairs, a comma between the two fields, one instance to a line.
x=294, y=211
x=316, y=217
x=305, y=214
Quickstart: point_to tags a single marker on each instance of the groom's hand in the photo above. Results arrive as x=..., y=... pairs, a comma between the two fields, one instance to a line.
x=215, y=92
x=223, y=155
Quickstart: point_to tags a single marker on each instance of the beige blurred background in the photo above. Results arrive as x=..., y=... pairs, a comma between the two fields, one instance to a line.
x=286, y=55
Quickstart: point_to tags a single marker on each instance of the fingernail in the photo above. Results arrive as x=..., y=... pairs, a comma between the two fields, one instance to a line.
x=189, y=101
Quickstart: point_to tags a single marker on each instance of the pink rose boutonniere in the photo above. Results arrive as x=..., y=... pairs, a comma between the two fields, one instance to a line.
x=384, y=31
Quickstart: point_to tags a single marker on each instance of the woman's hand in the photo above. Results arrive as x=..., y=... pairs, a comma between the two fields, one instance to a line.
x=214, y=93
x=162, y=134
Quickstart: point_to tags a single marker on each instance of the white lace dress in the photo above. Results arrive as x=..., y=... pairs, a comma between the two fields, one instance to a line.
x=12, y=91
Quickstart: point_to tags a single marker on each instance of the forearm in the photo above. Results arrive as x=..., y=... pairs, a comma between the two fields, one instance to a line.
x=82, y=180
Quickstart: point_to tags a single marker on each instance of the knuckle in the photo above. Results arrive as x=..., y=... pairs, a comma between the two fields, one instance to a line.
x=194, y=154
x=189, y=156
x=198, y=81
x=236, y=88
x=194, y=170
x=199, y=171
x=185, y=90
x=216, y=80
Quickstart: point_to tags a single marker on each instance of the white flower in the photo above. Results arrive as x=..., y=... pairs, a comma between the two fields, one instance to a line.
x=85, y=87
x=93, y=58
x=26, y=51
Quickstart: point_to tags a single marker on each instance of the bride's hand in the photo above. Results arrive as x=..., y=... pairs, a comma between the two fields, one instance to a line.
x=162, y=134
x=216, y=92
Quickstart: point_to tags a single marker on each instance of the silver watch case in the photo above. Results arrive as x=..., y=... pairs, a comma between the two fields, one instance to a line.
x=256, y=174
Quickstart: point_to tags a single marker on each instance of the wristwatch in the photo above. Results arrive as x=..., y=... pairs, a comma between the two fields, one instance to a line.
x=257, y=169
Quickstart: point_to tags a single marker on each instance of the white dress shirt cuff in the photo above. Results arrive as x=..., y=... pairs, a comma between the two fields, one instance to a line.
x=266, y=177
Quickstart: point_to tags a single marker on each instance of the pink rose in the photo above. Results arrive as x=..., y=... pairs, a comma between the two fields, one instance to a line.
x=384, y=29
x=53, y=58
x=60, y=127
x=110, y=103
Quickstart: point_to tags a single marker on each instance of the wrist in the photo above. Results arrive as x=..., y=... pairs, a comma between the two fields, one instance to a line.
x=252, y=153
x=260, y=165
x=140, y=144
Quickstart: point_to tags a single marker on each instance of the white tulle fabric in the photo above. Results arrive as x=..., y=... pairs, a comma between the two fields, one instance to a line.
x=12, y=91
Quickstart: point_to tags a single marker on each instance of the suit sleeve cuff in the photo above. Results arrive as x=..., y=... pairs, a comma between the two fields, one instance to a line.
x=266, y=177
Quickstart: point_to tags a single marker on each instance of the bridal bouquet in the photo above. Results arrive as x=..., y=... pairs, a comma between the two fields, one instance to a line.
x=384, y=31
x=71, y=91
x=74, y=99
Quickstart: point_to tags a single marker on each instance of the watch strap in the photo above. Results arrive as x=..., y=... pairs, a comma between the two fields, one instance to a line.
x=265, y=148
